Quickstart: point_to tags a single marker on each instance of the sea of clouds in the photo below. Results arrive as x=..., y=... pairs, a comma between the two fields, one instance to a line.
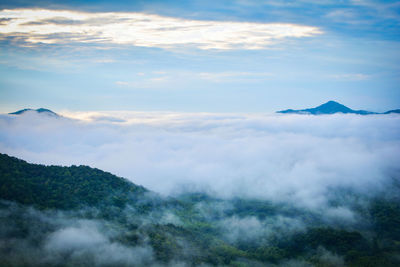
x=296, y=158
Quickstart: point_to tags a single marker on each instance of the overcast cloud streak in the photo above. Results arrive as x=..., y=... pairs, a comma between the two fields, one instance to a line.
x=35, y=26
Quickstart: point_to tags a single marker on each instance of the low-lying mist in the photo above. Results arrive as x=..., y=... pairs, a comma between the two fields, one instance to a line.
x=299, y=159
x=30, y=237
x=233, y=190
x=163, y=237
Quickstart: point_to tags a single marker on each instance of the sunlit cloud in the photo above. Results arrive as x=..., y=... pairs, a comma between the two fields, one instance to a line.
x=41, y=26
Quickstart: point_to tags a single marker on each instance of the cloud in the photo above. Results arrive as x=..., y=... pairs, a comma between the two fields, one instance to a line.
x=121, y=83
x=350, y=77
x=302, y=165
x=300, y=159
x=253, y=230
x=163, y=80
x=234, y=76
x=43, y=26
x=350, y=16
x=365, y=12
x=64, y=238
x=329, y=258
x=150, y=82
x=77, y=243
x=386, y=10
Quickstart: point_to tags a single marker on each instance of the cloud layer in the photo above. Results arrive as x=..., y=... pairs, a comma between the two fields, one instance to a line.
x=35, y=26
x=292, y=158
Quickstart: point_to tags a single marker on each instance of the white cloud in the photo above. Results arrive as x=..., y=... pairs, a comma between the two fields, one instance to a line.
x=149, y=82
x=75, y=243
x=35, y=26
x=55, y=238
x=278, y=157
x=252, y=229
x=234, y=76
x=122, y=83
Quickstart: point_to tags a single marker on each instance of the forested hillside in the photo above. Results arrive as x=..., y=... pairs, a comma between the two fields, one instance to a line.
x=62, y=187
x=81, y=216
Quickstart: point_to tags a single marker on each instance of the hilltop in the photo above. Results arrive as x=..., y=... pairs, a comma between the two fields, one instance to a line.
x=39, y=110
x=332, y=107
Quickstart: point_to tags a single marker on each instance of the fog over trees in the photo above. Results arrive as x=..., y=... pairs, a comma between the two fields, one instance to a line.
x=200, y=189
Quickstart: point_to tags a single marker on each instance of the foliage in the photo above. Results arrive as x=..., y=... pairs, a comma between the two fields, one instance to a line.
x=62, y=187
x=194, y=228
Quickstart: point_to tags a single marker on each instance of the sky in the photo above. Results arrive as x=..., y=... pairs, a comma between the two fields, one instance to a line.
x=199, y=56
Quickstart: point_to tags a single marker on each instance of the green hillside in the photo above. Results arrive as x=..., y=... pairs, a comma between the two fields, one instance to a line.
x=61, y=187
x=81, y=216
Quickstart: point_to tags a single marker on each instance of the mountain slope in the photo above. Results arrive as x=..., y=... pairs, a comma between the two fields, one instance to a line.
x=392, y=111
x=83, y=220
x=330, y=107
x=61, y=187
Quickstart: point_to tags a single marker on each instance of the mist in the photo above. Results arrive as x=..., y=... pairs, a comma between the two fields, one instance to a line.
x=37, y=238
x=298, y=159
x=261, y=184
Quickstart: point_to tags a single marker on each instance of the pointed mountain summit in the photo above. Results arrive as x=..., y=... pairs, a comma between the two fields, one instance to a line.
x=330, y=107
x=39, y=110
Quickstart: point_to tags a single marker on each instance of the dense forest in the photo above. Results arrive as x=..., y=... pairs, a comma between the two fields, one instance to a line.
x=81, y=216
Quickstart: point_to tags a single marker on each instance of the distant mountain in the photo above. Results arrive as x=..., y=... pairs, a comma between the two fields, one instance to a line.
x=330, y=107
x=392, y=111
x=39, y=110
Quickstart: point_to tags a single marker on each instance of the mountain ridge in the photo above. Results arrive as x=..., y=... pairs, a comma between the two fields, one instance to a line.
x=56, y=186
x=39, y=110
x=392, y=111
x=332, y=107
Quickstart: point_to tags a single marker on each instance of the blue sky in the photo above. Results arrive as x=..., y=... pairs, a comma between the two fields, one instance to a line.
x=209, y=56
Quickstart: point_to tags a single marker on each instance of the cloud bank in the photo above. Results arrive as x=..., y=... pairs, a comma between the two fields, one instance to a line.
x=293, y=158
x=35, y=26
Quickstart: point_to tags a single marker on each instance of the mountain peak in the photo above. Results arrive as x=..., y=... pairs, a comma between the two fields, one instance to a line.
x=39, y=110
x=331, y=103
x=330, y=107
